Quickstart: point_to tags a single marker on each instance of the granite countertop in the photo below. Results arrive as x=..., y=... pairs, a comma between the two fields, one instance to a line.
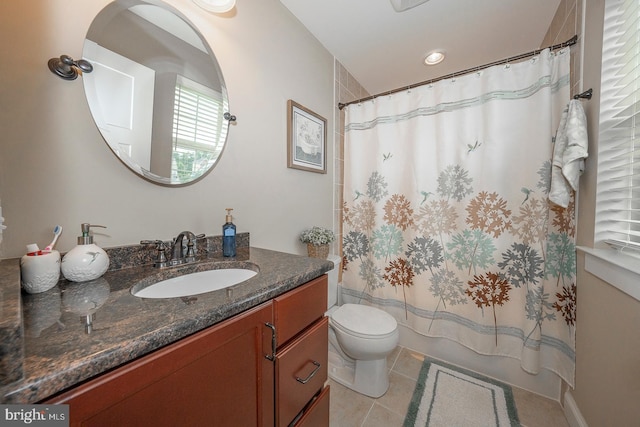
x=75, y=331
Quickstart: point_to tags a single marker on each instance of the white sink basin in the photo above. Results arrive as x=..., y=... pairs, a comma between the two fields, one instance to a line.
x=195, y=283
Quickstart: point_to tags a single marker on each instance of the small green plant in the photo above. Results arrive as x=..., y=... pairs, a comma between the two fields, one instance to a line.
x=317, y=236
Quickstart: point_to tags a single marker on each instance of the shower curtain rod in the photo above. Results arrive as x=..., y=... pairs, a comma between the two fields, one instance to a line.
x=573, y=40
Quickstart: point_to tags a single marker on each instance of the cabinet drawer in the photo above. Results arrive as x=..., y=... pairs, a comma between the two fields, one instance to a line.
x=301, y=371
x=299, y=308
x=317, y=414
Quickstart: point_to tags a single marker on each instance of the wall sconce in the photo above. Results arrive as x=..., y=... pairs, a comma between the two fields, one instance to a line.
x=216, y=6
x=66, y=68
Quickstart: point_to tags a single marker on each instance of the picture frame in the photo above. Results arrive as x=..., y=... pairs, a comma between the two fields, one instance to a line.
x=306, y=139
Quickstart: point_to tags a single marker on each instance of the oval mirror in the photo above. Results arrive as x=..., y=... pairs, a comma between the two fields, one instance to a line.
x=156, y=91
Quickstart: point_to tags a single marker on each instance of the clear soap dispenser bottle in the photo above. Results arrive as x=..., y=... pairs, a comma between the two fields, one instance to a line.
x=87, y=261
x=229, y=236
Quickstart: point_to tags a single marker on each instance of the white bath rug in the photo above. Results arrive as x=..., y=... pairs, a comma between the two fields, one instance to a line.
x=447, y=396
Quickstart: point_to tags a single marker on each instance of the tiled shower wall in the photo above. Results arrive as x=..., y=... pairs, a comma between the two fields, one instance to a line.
x=567, y=23
x=347, y=89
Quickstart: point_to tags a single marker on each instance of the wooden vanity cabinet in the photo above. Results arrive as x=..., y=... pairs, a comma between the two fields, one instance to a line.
x=225, y=375
x=216, y=377
x=302, y=355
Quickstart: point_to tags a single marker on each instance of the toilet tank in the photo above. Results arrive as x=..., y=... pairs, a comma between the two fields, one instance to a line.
x=332, y=289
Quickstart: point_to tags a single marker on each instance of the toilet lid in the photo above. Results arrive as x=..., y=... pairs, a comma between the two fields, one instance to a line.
x=364, y=320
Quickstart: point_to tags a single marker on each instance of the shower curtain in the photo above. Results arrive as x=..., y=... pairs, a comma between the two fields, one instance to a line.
x=446, y=218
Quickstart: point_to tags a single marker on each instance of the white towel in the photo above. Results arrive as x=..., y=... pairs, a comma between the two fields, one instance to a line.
x=569, y=153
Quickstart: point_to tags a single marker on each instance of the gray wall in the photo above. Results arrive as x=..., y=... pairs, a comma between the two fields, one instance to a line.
x=56, y=169
x=607, y=391
x=607, y=340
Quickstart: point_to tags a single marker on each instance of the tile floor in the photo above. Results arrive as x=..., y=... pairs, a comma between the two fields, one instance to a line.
x=349, y=408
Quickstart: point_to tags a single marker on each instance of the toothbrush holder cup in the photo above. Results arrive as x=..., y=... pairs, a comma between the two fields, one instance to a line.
x=39, y=273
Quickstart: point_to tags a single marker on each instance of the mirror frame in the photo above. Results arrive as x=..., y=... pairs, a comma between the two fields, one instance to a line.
x=97, y=27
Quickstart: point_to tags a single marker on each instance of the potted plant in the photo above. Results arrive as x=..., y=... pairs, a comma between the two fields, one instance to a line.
x=317, y=240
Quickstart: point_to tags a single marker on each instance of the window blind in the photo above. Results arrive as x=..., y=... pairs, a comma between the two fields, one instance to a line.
x=198, y=123
x=197, y=119
x=618, y=191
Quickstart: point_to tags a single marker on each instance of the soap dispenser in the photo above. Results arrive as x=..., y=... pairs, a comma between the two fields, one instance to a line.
x=87, y=261
x=229, y=236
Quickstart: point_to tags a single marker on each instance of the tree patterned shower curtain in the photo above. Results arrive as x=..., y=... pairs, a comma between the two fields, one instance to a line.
x=446, y=220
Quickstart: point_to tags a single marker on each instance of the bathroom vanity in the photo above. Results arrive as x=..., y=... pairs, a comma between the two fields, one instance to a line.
x=224, y=375
x=254, y=354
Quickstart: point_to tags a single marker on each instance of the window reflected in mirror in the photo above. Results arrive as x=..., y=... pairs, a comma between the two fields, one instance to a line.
x=197, y=122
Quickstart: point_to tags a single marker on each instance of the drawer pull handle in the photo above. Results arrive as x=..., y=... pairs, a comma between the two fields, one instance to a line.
x=272, y=356
x=306, y=380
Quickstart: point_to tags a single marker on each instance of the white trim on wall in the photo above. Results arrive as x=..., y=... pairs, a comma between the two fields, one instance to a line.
x=618, y=269
x=572, y=412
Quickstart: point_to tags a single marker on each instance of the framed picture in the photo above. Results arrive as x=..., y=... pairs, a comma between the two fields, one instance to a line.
x=306, y=139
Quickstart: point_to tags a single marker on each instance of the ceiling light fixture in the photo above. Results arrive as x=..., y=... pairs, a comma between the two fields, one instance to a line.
x=216, y=6
x=434, y=58
x=402, y=5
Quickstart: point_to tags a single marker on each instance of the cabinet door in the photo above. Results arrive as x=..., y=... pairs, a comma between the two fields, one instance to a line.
x=216, y=377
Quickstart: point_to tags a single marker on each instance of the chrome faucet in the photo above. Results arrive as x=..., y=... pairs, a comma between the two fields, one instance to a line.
x=177, y=248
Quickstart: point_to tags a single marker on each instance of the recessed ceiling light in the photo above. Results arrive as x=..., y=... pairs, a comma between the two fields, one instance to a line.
x=434, y=58
x=216, y=6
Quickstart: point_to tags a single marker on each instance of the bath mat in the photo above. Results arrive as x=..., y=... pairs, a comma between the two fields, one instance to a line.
x=447, y=396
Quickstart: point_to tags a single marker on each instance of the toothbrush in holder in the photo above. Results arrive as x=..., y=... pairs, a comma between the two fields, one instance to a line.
x=56, y=233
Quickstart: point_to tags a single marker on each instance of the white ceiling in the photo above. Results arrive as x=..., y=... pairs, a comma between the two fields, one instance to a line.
x=384, y=49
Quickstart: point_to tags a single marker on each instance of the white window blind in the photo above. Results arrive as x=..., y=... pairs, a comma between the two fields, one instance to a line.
x=198, y=122
x=197, y=119
x=618, y=193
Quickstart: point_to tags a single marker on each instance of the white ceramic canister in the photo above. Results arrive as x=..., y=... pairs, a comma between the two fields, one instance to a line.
x=39, y=271
x=84, y=263
x=87, y=261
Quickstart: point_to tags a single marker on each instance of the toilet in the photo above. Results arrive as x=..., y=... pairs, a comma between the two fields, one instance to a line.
x=360, y=339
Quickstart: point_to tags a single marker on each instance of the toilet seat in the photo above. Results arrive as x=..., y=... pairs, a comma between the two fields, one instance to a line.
x=363, y=321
